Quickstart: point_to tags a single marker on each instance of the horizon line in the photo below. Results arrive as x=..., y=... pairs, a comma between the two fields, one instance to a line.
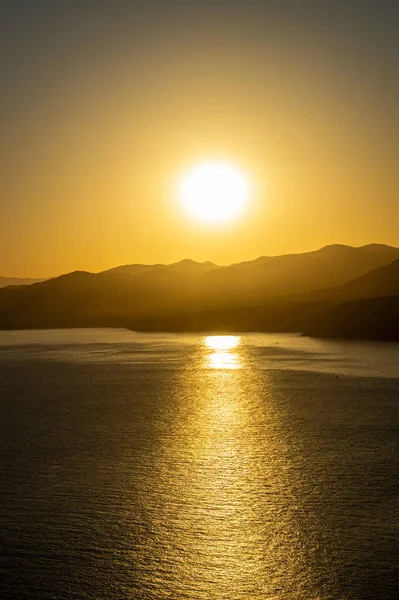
x=160, y=264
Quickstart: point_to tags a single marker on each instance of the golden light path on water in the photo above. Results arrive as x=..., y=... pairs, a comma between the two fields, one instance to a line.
x=224, y=527
x=223, y=355
x=144, y=467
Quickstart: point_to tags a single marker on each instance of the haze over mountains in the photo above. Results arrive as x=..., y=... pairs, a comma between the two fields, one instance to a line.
x=5, y=281
x=295, y=292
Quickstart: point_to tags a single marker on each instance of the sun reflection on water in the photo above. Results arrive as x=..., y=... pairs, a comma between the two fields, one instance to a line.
x=220, y=526
x=222, y=355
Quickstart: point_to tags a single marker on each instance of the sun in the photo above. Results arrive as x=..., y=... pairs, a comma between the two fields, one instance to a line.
x=214, y=191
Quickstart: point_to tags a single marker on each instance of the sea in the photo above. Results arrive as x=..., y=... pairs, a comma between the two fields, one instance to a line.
x=197, y=467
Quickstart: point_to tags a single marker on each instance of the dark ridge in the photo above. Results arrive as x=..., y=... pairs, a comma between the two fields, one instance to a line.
x=369, y=318
x=284, y=293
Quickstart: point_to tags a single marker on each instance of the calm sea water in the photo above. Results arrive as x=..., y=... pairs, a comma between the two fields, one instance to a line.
x=197, y=467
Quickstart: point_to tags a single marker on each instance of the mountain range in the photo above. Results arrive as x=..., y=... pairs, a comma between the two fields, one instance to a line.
x=310, y=292
x=6, y=281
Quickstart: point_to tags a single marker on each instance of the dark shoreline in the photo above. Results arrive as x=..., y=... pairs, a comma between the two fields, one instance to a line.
x=205, y=332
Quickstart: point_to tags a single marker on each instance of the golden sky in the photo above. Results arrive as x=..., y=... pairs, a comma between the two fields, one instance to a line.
x=104, y=107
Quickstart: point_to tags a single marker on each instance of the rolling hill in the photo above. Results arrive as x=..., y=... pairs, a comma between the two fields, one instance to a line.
x=328, y=267
x=263, y=294
x=368, y=318
x=6, y=281
x=183, y=266
x=383, y=281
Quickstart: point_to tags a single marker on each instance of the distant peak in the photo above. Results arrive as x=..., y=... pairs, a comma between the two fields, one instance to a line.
x=336, y=247
x=377, y=248
x=73, y=275
x=186, y=262
x=77, y=274
x=208, y=263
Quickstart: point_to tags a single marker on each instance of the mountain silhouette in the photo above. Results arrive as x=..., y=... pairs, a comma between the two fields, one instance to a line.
x=383, y=281
x=299, y=273
x=183, y=266
x=368, y=307
x=6, y=281
x=282, y=293
x=368, y=318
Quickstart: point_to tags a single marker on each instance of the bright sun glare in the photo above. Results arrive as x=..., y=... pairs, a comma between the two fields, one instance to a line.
x=222, y=355
x=214, y=191
x=222, y=342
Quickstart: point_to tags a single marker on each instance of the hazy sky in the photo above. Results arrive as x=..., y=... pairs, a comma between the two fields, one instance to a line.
x=104, y=104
